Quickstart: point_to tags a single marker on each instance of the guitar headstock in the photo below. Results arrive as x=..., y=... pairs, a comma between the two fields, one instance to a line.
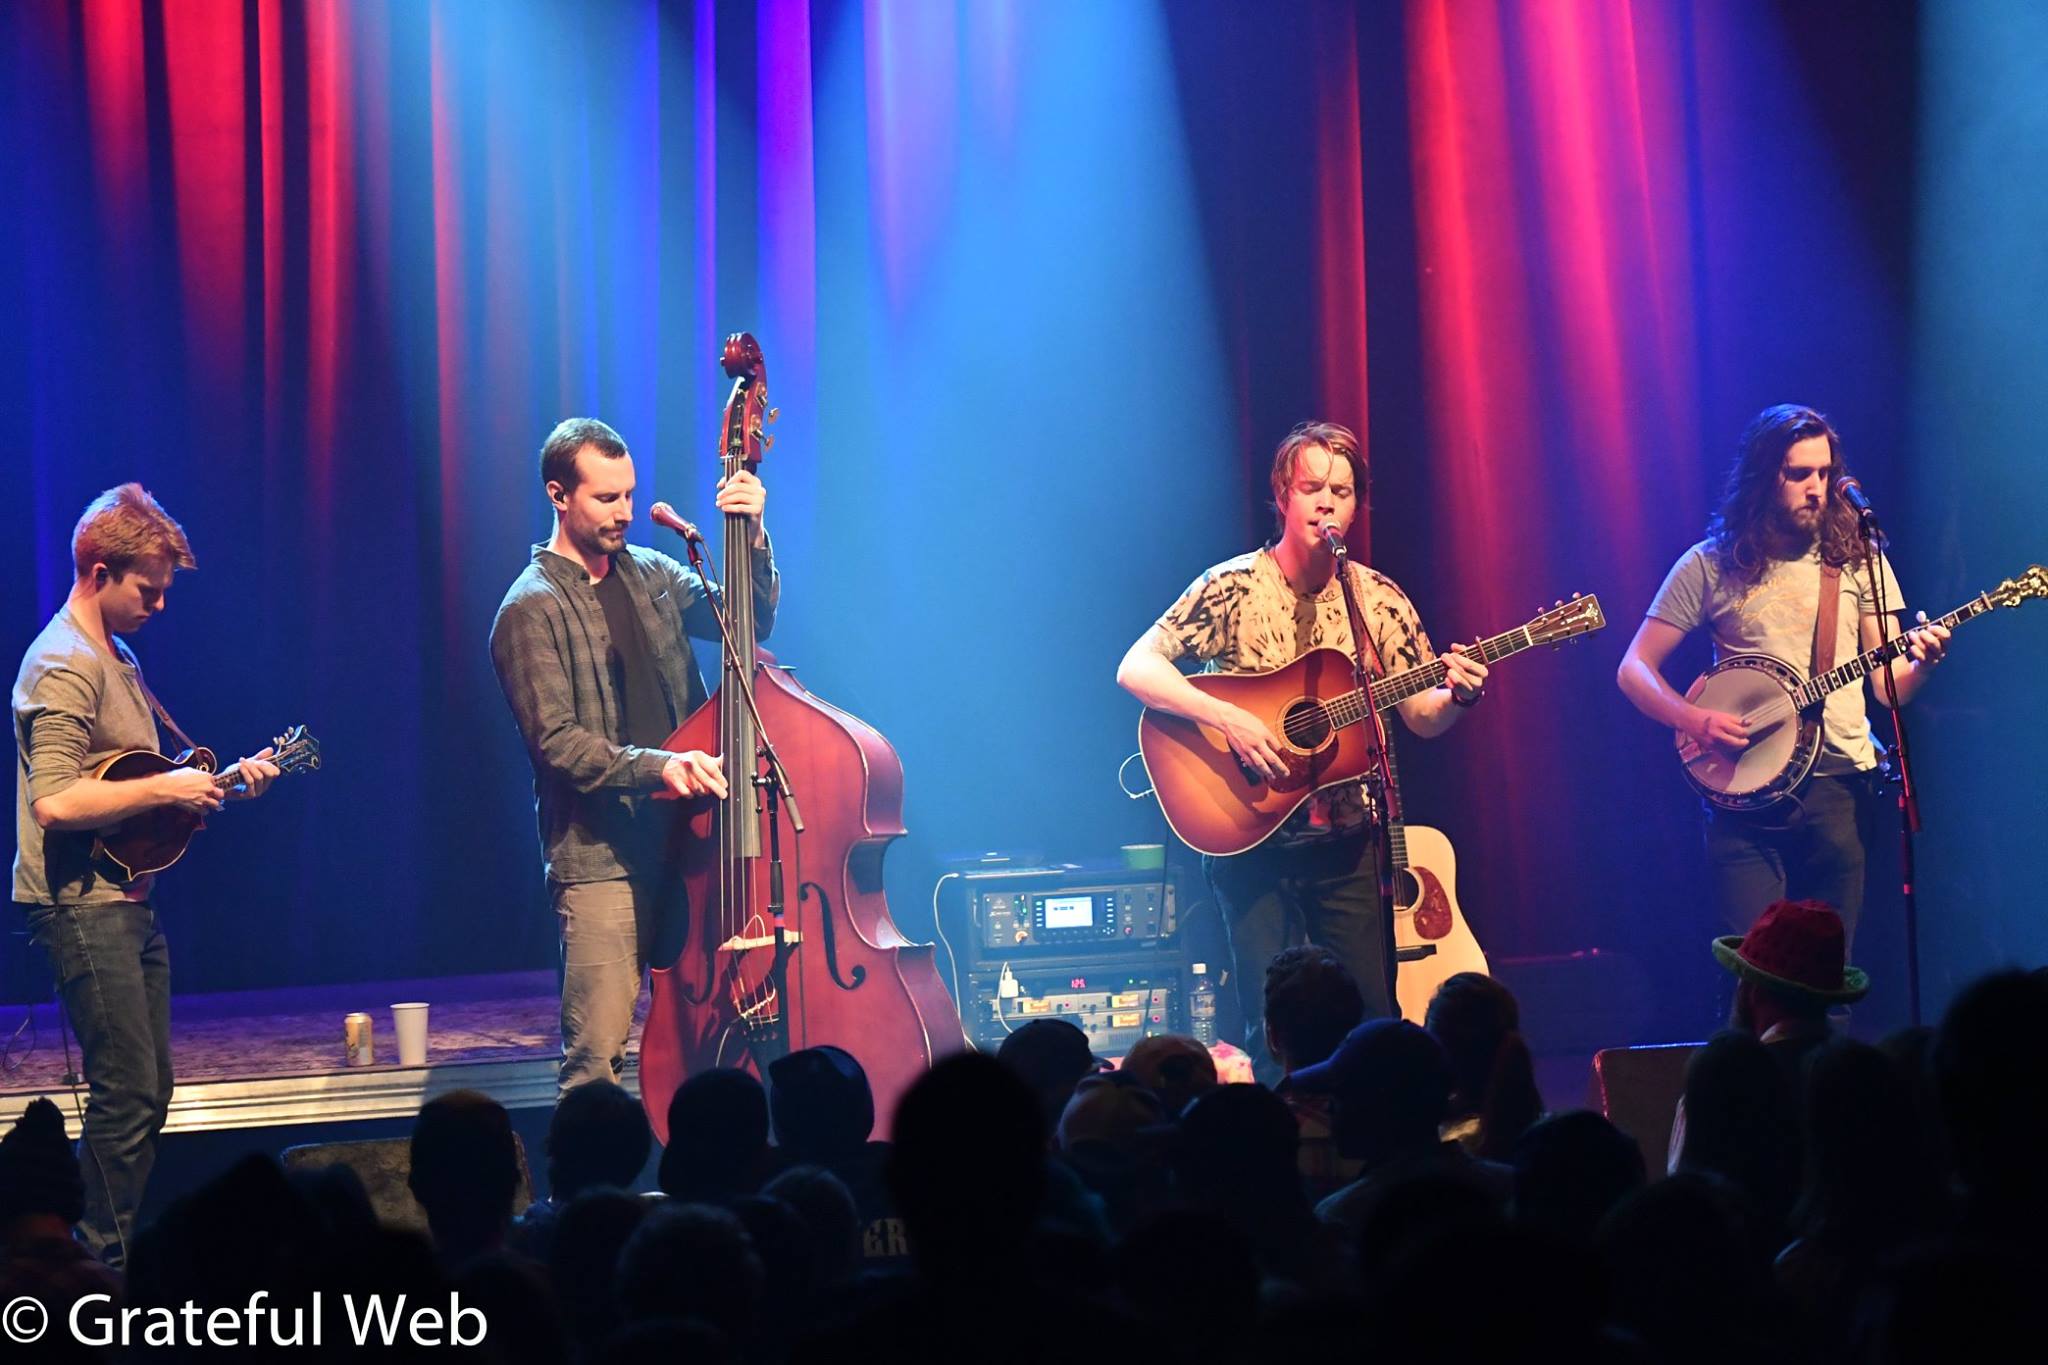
x=297, y=751
x=1568, y=620
x=2013, y=591
x=746, y=410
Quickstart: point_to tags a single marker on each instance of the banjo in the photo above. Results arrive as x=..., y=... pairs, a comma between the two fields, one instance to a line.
x=1783, y=709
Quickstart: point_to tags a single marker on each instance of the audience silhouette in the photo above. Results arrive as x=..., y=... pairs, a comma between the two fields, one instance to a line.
x=1832, y=1201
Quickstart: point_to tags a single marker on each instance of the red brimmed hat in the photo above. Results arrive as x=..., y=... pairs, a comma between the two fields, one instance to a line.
x=1798, y=947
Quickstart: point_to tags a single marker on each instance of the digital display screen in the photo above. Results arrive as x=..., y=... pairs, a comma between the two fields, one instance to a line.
x=1069, y=912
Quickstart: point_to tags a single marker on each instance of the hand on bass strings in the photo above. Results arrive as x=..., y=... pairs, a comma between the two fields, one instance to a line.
x=695, y=773
x=189, y=789
x=1253, y=743
x=257, y=774
x=742, y=495
x=1718, y=728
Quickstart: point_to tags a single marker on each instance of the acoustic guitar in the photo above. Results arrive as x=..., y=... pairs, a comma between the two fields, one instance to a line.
x=1219, y=805
x=153, y=840
x=1432, y=941
x=1782, y=708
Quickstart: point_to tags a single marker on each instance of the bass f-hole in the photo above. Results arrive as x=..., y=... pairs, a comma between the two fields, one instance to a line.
x=830, y=936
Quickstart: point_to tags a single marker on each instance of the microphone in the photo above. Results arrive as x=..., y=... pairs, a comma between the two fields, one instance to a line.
x=1853, y=494
x=661, y=514
x=1334, y=540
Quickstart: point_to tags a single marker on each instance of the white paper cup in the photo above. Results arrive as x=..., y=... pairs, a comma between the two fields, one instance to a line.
x=409, y=1023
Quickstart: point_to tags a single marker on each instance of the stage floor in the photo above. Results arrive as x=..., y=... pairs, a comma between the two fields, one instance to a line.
x=250, y=1059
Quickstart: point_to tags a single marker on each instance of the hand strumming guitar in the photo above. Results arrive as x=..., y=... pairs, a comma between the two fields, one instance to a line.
x=1253, y=742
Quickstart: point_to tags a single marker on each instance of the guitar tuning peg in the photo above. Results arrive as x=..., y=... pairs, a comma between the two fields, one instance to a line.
x=767, y=443
x=774, y=413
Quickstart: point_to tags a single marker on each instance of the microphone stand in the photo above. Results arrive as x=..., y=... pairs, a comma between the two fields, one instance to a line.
x=1390, y=796
x=1909, y=790
x=776, y=783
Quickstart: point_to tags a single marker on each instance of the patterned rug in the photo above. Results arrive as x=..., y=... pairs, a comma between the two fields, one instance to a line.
x=243, y=1035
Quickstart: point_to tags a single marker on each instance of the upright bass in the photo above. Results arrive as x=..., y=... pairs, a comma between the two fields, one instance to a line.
x=761, y=972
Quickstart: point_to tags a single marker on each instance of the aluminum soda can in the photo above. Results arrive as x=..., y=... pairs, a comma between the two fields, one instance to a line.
x=356, y=1035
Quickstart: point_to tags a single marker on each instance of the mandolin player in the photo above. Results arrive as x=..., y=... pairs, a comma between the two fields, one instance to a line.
x=1319, y=872
x=1782, y=559
x=79, y=700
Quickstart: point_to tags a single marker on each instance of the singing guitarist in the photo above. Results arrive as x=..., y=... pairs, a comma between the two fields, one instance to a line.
x=1755, y=584
x=1318, y=874
x=79, y=699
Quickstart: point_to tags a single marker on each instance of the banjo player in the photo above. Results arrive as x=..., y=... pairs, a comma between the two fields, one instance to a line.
x=1782, y=533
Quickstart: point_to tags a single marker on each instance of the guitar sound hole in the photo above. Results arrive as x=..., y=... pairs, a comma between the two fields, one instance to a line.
x=1307, y=725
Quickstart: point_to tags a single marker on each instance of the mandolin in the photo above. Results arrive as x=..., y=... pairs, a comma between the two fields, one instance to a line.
x=153, y=840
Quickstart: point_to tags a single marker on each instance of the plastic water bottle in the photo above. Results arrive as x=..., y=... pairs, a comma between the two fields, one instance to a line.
x=1202, y=1005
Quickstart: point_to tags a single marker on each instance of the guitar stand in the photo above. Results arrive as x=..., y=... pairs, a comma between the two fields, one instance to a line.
x=1388, y=795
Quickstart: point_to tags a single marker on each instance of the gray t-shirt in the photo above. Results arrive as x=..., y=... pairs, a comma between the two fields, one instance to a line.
x=75, y=706
x=1776, y=615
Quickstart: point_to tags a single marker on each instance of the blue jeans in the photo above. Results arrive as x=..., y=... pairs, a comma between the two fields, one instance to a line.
x=114, y=976
x=1812, y=848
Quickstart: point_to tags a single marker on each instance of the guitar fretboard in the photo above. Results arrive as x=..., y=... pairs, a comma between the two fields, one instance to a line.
x=1395, y=688
x=1863, y=665
x=1392, y=818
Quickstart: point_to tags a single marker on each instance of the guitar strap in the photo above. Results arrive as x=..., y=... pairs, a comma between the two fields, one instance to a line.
x=1361, y=638
x=1362, y=643
x=177, y=732
x=1830, y=615
x=1824, y=625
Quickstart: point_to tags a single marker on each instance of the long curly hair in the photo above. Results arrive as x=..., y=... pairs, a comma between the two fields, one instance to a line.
x=1742, y=527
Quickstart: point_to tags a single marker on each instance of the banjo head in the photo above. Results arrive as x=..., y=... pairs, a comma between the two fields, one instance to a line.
x=1782, y=746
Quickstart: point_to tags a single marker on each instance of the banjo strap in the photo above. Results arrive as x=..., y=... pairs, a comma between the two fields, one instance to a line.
x=1830, y=613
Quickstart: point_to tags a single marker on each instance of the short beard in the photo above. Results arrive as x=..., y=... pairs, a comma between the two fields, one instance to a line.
x=1785, y=526
x=594, y=544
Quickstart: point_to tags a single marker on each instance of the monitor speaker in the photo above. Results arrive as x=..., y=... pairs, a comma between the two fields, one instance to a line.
x=1638, y=1089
